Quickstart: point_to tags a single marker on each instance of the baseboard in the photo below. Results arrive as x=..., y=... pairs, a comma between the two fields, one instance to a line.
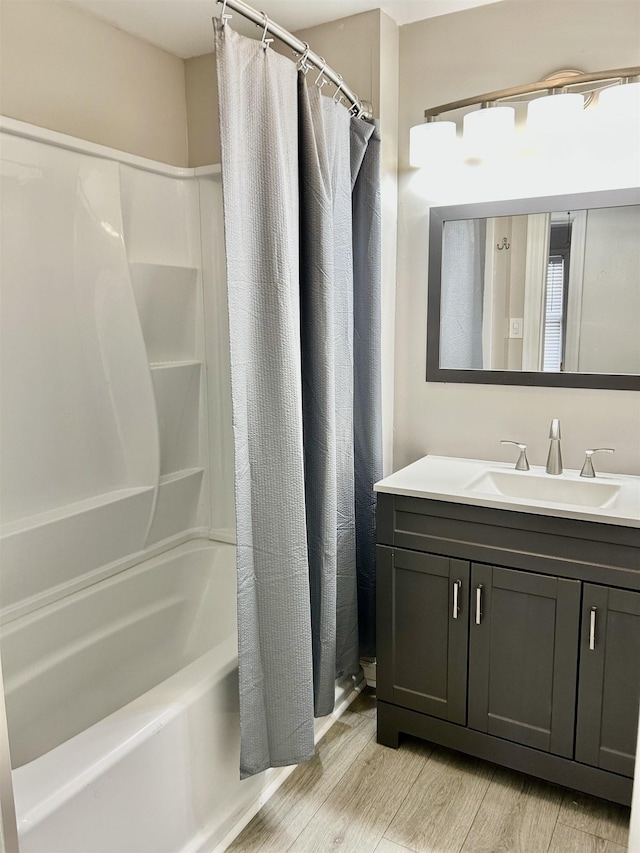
x=369, y=668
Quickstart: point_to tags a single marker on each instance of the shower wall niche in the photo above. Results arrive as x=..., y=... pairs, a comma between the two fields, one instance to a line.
x=162, y=239
x=104, y=451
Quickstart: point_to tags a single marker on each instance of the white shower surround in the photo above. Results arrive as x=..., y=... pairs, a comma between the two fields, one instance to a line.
x=105, y=566
x=105, y=450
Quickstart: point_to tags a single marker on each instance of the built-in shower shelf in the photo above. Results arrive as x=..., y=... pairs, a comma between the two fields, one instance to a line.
x=177, y=506
x=167, y=365
x=187, y=473
x=166, y=298
x=71, y=509
x=143, y=268
x=177, y=389
x=72, y=541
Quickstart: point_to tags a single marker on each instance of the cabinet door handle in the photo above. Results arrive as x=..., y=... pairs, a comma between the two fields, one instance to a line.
x=456, y=594
x=479, y=604
x=592, y=629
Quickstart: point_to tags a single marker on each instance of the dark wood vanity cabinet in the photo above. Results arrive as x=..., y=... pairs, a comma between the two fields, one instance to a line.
x=609, y=679
x=430, y=637
x=512, y=637
x=523, y=657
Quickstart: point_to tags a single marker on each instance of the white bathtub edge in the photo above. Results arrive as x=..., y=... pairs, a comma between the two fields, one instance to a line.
x=345, y=695
x=86, y=757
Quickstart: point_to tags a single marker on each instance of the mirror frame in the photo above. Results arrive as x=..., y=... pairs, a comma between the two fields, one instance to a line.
x=513, y=207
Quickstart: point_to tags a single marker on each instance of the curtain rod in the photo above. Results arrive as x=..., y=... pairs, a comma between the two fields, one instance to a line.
x=299, y=47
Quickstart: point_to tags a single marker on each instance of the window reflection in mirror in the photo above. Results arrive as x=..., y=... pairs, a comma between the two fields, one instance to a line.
x=554, y=332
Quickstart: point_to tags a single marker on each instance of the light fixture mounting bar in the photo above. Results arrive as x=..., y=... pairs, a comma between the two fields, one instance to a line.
x=558, y=82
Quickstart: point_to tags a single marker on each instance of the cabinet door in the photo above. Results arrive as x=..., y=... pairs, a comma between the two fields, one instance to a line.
x=423, y=629
x=609, y=680
x=523, y=654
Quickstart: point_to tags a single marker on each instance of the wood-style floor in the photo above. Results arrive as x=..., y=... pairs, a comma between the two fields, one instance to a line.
x=358, y=797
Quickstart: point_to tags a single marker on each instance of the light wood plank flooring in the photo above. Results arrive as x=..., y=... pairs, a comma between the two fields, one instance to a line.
x=358, y=797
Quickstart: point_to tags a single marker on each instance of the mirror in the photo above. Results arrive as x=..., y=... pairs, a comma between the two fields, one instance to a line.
x=541, y=291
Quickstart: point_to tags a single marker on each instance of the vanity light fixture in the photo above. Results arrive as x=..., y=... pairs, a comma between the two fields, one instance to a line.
x=555, y=105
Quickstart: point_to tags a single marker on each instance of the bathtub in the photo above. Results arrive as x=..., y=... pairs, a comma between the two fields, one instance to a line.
x=123, y=713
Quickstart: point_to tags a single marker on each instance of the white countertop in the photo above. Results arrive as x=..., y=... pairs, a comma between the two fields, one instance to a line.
x=465, y=481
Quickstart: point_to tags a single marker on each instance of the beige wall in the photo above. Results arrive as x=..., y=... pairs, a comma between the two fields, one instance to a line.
x=351, y=46
x=68, y=71
x=389, y=62
x=202, y=110
x=464, y=54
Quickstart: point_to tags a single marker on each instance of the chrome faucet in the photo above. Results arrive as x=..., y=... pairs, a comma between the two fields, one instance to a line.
x=554, y=459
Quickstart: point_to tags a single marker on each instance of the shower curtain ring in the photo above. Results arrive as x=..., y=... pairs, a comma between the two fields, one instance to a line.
x=265, y=41
x=337, y=97
x=303, y=65
x=224, y=15
x=320, y=82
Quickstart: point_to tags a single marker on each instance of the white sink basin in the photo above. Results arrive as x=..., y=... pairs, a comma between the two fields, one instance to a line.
x=608, y=498
x=552, y=489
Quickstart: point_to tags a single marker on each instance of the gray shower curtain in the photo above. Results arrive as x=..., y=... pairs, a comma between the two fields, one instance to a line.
x=463, y=257
x=296, y=234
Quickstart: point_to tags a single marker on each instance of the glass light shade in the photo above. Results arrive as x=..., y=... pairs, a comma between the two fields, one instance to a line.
x=487, y=132
x=620, y=103
x=554, y=115
x=430, y=142
x=616, y=126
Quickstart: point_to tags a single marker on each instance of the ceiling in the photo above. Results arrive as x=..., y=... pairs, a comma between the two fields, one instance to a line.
x=183, y=27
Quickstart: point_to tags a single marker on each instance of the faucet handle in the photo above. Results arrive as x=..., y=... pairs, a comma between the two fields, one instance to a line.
x=523, y=463
x=587, y=468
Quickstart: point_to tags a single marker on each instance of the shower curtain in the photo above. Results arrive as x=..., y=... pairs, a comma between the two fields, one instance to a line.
x=463, y=258
x=302, y=232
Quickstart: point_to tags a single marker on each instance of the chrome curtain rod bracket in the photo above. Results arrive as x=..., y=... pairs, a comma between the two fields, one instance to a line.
x=299, y=48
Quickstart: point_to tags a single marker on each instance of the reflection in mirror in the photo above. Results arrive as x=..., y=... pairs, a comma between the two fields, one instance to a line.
x=554, y=291
x=549, y=291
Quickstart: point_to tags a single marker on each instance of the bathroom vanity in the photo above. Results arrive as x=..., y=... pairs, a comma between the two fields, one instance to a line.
x=508, y=614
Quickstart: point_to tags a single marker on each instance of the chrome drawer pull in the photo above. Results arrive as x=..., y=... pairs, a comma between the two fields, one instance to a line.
x=479, y=604
x=456, y=593
x=592, y=629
